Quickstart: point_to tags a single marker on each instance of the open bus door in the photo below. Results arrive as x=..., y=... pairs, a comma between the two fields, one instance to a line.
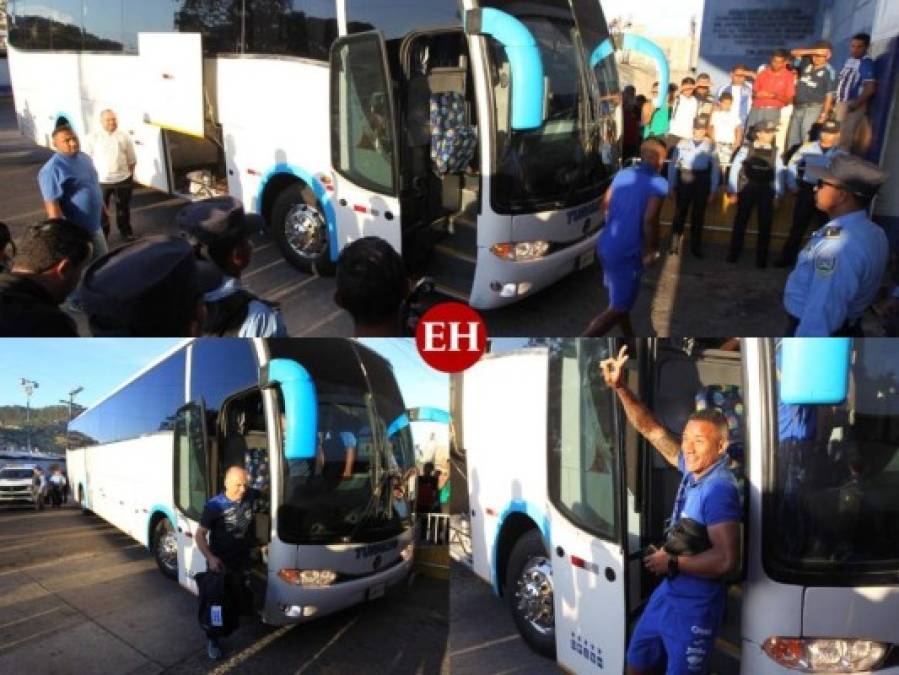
x=190, y=475
x=585, y=483
x=364, y=141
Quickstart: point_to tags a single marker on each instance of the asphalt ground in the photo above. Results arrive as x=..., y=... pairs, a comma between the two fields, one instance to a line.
x=679, y=296
x=78, y=596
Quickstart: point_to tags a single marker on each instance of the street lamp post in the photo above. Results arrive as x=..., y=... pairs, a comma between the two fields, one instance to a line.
x=71, y=403
x=28, y=386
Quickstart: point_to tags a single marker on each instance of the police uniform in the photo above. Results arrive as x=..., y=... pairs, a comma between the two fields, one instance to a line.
x=757, y=176
x=797, y=178
x=693, y=173
x=147, y=288
x=231, y=310
x=840, y=270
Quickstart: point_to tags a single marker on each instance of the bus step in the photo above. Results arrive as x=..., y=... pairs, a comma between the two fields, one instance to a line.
x=452, y=271
x=448, y=250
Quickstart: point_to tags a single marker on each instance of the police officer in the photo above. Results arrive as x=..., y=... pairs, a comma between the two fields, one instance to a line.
x=152, y=287
x=220, y=230
x=802, y=184
x=756, y=178
x=693, y=176
x=839, y=272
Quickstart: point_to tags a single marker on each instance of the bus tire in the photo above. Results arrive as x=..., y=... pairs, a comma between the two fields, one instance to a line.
x=165, y=548
x=528, y=593
x=300, y=230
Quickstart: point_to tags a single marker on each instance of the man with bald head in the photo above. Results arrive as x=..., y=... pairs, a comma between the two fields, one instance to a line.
x=113, y=153
x=227, y=518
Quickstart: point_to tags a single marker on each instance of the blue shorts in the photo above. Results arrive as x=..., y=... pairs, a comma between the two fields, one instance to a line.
x=622, y=281
x=683, y=629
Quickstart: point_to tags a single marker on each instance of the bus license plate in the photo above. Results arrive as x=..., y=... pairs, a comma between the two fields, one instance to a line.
x=585, y=259
x=375, y=592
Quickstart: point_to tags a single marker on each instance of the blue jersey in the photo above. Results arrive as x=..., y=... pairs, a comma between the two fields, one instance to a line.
x=262, y=320
x=229, y=525
x=711, y=499
x=853, y=76
x=621, y=239
x=742, y=99
x=692, y=155
x=73, y=183
x=837, y=274
x=808, y=155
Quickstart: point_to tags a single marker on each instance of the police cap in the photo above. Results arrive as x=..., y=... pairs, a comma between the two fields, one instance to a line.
x=765, y=125
x=138, y=288
x=851, y=173
x=831, y=126
x=218, y=218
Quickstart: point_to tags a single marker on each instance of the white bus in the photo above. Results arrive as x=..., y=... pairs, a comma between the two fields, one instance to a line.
x=473, y=135
x=309, y=421
x=565, y=496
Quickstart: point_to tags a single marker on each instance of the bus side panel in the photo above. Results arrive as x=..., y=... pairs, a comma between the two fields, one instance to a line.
x=75, y=470
x=505, y=434
x=267, y=126
x=128, y=478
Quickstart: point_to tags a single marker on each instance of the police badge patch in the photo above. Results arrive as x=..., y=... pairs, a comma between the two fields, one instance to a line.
x=825, y=264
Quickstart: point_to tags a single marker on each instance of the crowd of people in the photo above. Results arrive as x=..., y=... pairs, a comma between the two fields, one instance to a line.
x=700, y=141
x=190, y=284
x=159, y=285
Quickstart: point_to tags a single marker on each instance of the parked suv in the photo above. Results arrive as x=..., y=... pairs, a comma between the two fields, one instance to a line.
x=17, y=483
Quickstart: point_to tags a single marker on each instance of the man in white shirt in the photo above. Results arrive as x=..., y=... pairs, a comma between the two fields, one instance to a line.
x=113, y=155
x=686, y=106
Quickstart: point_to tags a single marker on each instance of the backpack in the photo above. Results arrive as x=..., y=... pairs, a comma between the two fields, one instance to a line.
x=225, y=317
x=218, y=615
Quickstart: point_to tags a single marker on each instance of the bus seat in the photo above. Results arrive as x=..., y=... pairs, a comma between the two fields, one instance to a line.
x=453, y=140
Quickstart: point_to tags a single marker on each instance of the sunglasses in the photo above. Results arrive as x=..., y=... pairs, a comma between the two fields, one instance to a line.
x=821, y=183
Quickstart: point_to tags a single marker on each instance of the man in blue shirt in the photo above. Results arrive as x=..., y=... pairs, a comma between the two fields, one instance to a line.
x=856, y=86
x=740, y=90
x=71, y=189
x=630, y=236
x=693, y=177
x=227, y=517
x=683, y=615
x=800, y=182
x=839, y=272
x=756, y=178
x=814, y=93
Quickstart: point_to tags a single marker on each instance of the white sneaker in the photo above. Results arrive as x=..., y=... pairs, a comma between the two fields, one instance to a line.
x=213, y=651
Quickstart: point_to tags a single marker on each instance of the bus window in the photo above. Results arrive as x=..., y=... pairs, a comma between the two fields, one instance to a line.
x=103, y=25
x=304, y=28
x=191, y=488
x=65, y=26
x=583, y=459
x=362, y=133
x=834, y=511
x=30, y=28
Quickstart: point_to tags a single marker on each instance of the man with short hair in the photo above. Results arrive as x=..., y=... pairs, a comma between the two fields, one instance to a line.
x=839, y=272
x=704, y=99
x=220, y=230
x=46, y=270
x=71, y=189
x=693, y=177
x=814, y=93
x=774, y=88
x=629, y=239
x=855, y=88
x=683, y=113
x=114, y=158
x=227, y=519
x=740, y=91
x=372, y=286
x=801, y=182
x=685, y=611
x=152, y=287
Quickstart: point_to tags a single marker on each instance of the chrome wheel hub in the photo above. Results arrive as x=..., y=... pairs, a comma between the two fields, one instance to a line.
x=306, y=231
x=534, y=595
x=167, y=549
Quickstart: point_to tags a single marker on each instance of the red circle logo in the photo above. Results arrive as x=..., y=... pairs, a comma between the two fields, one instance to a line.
x=451, y=337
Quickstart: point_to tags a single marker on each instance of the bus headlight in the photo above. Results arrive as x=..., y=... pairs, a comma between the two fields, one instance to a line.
x=520, y=251
x=308, y=578
x=407, y=552
x=825, y=655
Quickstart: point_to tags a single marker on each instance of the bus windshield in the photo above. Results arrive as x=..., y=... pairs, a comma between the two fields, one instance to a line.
x=833, y=513
x=569, y=159
x=353, y=489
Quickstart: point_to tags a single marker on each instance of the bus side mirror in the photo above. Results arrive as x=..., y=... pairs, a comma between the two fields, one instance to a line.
x=300, y=426
x=528, y=84
x=814, y=370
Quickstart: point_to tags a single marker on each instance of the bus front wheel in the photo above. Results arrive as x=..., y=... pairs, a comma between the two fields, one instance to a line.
x=165, y=548
x=83, y=502
x=300, y=229
x=529, y=593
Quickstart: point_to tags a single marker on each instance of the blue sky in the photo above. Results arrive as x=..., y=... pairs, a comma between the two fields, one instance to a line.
x=100, y=365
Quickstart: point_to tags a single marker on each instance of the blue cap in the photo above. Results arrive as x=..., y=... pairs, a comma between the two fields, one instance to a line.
x=851, y=173
x=217, y=218
x=139, y=286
